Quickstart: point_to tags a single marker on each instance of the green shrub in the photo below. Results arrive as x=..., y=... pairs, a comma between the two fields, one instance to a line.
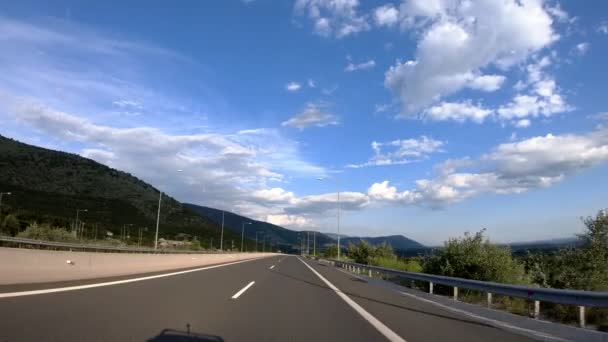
x=396, y=263
x=47, y=233
x=473, y=257
x=10, y=224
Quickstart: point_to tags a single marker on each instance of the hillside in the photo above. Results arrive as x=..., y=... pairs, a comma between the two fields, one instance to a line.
x=398, y=242
x=284, y=238
x=50, y=185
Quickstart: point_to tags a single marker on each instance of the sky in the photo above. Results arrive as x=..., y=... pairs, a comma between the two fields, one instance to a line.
x=429, y=117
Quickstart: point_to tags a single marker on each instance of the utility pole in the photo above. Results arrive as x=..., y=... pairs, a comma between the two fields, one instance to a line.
x=308, y=243
x=314, y=243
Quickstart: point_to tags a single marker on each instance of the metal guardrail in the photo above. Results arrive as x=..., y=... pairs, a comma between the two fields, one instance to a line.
x=88, y=247
x=579, y=298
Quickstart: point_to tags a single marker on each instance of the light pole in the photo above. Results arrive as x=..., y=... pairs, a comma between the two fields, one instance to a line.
x=256, y=240
x=243, y=235
x=3, y=193
x=78, y=212
x=160, y=197
x=222, y=233
x=337, y=181
x=314, y=243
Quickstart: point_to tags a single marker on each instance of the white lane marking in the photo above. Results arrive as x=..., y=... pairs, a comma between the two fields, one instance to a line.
x=383, y=329
x=493, y=321
x=271, y=267
x=236, y=295
x=109, y=283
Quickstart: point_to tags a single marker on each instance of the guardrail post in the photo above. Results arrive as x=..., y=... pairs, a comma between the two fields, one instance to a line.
x=370, y=273
x=581, y=316
x=431, y=287
x=536, y=309
x=489, y=299
x=455, y=293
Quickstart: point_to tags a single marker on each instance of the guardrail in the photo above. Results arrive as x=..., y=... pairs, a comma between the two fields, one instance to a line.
x=582, y=299
x=96, y=248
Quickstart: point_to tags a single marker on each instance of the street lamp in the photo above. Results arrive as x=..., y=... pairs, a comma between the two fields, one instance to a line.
x=78, y=212
x=338, y=181
x=222, y=234
x=243, y=235
x=3, y=193
x=256, y=240
x=160, y=197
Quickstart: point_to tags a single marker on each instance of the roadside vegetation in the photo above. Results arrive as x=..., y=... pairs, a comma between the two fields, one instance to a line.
x=473, y=256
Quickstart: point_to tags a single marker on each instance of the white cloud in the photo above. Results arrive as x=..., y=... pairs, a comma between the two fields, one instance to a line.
x=401, y=151
x=381, y=108
x=603, y=28
x=459, y=39
x=543, y=97
x=330, y=90
x=311, y=83
x=315, y=114
x=513, y=167
x=290, y=221
x=361, y=66
x=386, y=15
x=523, y=123
x=582, y=48
x=487, y=83
x=601, y=116
x=318, y=204
x=337, y=18
x=293, y=86
x=558, y=13
x=457, y=111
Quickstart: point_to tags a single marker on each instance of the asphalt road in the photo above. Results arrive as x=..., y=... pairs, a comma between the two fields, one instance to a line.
x=288, y=301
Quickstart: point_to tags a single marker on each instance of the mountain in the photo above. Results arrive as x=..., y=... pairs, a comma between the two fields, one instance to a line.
x=48, y=186
x=398, y=242
x=335, y=236
x=286, y=239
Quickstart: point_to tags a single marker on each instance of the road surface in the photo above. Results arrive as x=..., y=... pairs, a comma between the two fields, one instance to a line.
x=280, y=298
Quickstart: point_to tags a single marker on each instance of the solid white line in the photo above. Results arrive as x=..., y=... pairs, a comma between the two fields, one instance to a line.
x=109, y=283
x=492, y=321
x=271, y=267
x=236, y=295
x=383, y=329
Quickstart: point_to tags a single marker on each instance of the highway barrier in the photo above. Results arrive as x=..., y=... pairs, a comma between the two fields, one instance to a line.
x=582, y=299
x=22, y=242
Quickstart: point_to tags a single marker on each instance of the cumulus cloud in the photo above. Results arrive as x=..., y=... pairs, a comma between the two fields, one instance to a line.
x=457, y=111
x=291, y=221
x=360, y=66
x=487, y=83
x=315, y=114
x=386, y=15
x=457, y=40
x=293, y=86
x=333, y=18
x=399, y=152
x=523, y=123
x=513, y=167
x=542, y=99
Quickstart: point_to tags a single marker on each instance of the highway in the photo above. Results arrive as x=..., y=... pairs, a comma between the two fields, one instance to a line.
x=279, y=298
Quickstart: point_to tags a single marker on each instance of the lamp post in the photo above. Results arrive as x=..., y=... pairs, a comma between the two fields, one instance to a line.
x=256, y=240
x=160, y=197
x=77, y=213
x=243, y=235
x=222, y=233
x=337, y=181
x=3, y=193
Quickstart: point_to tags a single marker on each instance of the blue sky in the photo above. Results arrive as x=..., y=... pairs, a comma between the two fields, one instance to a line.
x=435, y=117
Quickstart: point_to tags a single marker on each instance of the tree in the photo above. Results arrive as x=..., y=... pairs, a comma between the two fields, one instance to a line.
x=10, y=224
x=384, y=250
x=331, y=252
x=474, y=257
x=361, y=252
